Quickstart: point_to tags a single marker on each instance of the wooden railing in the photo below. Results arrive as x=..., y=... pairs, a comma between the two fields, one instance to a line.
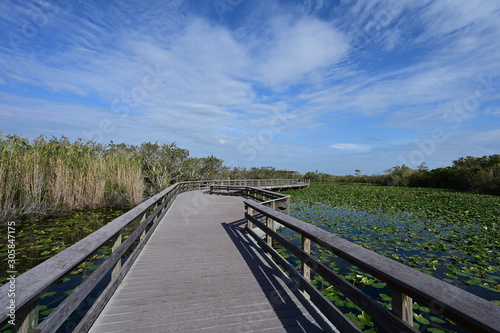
x=406, y=283
x=143, y=219
x=262, y=183
x=267, y=198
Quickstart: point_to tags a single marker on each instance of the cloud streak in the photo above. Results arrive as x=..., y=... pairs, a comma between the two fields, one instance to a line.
x=373, y=77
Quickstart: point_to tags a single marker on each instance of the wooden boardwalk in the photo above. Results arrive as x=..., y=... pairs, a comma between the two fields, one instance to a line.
x=200, y=272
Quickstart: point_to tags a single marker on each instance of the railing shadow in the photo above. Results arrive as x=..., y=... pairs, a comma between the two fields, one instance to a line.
x=276, y=285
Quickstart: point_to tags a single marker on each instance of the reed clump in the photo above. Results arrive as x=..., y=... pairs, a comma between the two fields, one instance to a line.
x=47, y=176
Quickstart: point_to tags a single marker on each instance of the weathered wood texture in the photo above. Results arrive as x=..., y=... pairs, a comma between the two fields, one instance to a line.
x=30, y=285
x=200, y=272
x=468, y=310
x=37, y=280
x=270, y=184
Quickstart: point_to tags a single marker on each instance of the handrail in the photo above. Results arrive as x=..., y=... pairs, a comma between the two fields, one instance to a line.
x=32, y=284
x=265, y=197
x=464, y=308
x=261, y=183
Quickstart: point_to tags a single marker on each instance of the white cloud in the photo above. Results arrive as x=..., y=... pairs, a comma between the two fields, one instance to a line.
x=447, y=16
x=210, y=85
x=296, y=48
x=350, y=147
x=61, y=86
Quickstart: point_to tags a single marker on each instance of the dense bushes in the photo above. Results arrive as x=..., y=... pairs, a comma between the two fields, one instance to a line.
x=41, y=176
x=44, y=176
x=473, y=174
x=47, y=176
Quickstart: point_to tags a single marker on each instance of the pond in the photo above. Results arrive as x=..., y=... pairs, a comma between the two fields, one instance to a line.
x=463, y=254
x=39, y=239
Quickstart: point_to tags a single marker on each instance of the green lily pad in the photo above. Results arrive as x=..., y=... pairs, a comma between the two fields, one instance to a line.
x=48, y=294
x=437, y=320
x=435, y=330
x=421, y=319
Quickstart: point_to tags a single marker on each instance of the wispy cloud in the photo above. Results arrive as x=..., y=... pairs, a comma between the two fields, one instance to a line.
x=350, y=147
x=297, y=48
x=372, y=76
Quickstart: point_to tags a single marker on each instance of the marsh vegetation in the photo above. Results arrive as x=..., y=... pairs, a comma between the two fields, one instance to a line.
x=436, y=221
x=454, y=236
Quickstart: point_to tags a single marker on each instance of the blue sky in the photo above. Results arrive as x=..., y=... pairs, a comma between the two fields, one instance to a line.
x=308, y=85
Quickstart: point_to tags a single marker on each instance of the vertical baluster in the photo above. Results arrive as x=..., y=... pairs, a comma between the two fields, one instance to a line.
x=306, y=269
x=143, y=234
x=250, y=212
x=118, y=265
x=306, y=247
x=270, y=225
x=154, y=208
x=402, y=305
x=27, y=318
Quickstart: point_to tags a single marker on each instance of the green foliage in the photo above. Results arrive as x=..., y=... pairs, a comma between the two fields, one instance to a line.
x=475, y=174
x=38, y=239
x=267, y=172
x=472, y=174
x=398, y=176
x=161, y=165
x=46, y=177
x=203, y=168
x=451, y=235
x=49, y=176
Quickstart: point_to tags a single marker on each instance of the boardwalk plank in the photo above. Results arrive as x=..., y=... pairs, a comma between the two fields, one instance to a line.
x=200, y=273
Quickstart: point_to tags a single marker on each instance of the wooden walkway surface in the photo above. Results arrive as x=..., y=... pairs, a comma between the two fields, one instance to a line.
x=200, y=272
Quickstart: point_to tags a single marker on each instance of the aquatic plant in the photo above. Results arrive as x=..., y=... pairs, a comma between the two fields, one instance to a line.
x=451, y=235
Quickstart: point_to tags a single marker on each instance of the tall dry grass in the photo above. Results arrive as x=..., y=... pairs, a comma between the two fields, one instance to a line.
x=46, y=176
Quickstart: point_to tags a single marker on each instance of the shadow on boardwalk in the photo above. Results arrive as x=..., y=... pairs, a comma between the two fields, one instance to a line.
x=294, y=311
x=200, y=272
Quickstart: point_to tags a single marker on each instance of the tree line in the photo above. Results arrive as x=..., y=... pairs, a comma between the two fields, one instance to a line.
x=473, y=174
x=47, y=176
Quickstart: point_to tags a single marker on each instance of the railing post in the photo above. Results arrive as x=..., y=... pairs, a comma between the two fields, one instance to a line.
x=28, y=319
x=402, y=305
x=287, y=210
x=250, y=212
x=143, y=233
x=306, y=269
x=118, y=265
x=306, y=247
x=270, y=225
x=154, y=208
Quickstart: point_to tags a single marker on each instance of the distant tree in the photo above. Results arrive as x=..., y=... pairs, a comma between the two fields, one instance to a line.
x=162, y=164
x=211, y=167
x=398, y=175
x=422, y=167
x=477, y=162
